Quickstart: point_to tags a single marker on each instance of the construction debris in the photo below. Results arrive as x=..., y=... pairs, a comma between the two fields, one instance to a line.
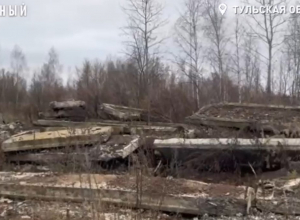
x=117, y=147
x=33, y=140
x=68, y=110
x=220, y=137
x=226, y=153
x=153, y=193
x=265, y=120
x=122, y=113
x=67, y=105
x=178, y=196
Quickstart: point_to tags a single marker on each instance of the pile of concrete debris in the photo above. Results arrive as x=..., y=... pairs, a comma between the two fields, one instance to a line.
x=121, y=113
x=234, y=132
x=182, y=196
x=6, y=130
x=68, y=110
x=219, y=137
x=264, y=120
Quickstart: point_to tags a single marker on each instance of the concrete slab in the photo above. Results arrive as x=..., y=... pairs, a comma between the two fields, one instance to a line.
x=176, y=195
x=59, y=138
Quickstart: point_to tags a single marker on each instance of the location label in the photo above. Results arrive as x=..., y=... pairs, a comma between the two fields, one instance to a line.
x=222, y=8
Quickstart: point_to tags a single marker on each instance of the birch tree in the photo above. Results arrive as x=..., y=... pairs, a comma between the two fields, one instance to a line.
x=18, y=65
x=188, y=31
x=238, y=41
x=144, y=20
x=268, y=28
x=216, y=35
x=292, y=54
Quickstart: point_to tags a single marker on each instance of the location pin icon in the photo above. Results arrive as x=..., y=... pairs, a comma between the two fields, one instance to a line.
x=222, y=8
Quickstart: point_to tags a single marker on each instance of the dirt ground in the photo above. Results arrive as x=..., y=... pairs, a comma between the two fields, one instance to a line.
x=37, y=210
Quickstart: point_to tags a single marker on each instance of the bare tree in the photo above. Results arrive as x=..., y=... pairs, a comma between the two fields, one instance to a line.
x=188, y=31
x=267, y=28
x=18, y=65
x=292, y=53
x=144, y=21
x=215, y=33
x=251, y=61
x=90, y=84
x=46, y=84
x=238, y=41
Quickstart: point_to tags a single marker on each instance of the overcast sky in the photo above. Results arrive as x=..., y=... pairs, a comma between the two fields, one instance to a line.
x=77, y=29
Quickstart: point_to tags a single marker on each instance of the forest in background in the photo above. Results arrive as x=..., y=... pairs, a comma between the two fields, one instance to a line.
x=239, y=71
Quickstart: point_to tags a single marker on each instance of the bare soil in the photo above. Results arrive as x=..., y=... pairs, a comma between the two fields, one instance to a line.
x=158, y=185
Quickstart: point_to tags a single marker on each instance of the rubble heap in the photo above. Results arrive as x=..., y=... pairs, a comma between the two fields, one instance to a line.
x=68, y=110
x=6, y=130
x=262, y=120
x=219, y=137
x=122, y=113
x=93, y=144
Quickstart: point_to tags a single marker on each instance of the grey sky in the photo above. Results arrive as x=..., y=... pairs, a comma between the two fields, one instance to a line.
x=78, y=29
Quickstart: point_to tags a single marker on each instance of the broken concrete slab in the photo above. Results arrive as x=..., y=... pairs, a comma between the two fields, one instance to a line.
x=177, y=195
x=73, y=114
x=157, y=129
x=264, y=119
x=229, y=143
x=59, y=138
x=123, y=113
x=67, y=110
x=67, y=105
x=279, y=195
x=117, y=147
x=61, y=123
x=260, y=153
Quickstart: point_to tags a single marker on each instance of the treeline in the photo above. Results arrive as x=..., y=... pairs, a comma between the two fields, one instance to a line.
x=115, y=82
x=239, y=72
